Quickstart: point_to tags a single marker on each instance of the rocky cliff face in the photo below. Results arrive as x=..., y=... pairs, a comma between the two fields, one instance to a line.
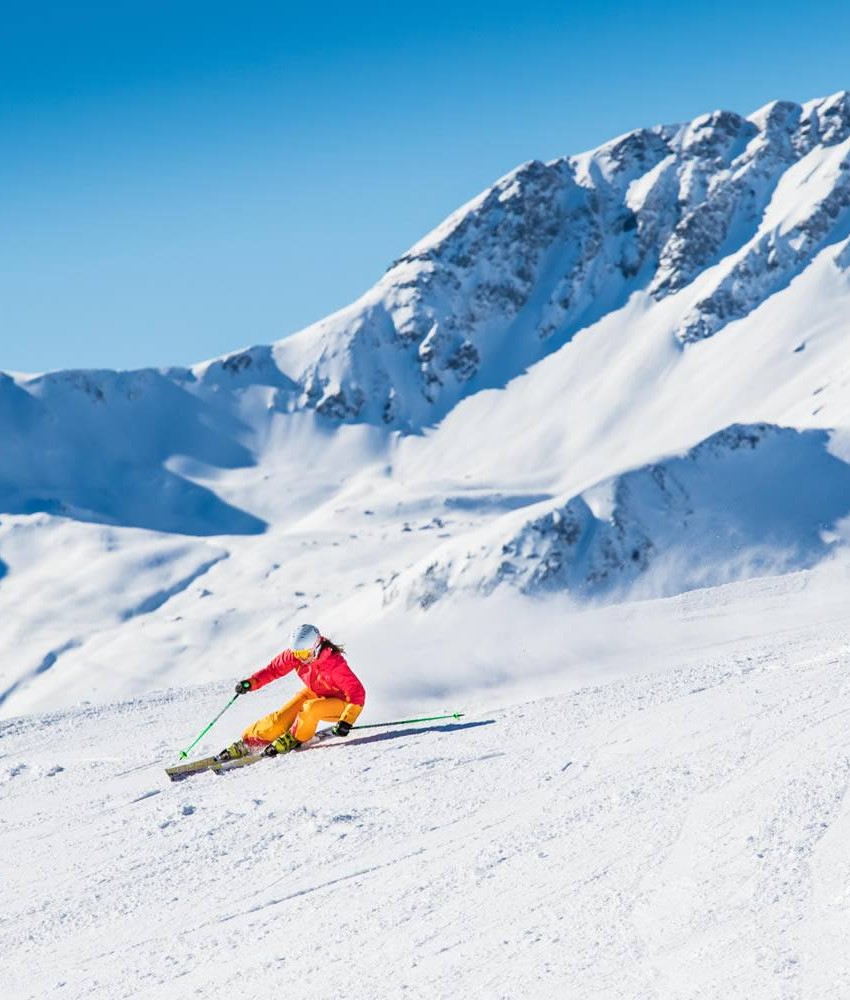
x=717, y=214
x=721, y=212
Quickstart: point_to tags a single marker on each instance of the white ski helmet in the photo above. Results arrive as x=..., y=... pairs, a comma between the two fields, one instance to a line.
x=304, y=641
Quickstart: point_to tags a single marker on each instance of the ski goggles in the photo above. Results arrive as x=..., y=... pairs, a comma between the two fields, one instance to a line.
x=304, y=655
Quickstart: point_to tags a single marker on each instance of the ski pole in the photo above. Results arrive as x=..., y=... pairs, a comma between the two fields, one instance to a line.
x=185, y=753
x=407, y=722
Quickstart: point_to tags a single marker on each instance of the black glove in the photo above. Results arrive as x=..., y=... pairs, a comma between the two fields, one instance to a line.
x=243, y=686
x=341, y=728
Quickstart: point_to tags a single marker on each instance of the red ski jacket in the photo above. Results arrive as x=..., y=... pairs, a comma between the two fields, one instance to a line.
x=328, y=676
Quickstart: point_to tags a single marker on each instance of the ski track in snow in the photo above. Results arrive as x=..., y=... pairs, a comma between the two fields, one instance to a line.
x=671, y=835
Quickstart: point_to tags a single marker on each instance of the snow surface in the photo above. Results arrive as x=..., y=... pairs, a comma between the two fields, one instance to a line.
x=661, y=813
x=578, y=465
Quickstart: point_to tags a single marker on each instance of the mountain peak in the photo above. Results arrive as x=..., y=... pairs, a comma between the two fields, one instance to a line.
x=553, y=247
x=608, y=370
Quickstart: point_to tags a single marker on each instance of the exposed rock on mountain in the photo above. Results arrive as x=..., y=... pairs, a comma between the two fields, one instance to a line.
x=747, y=501
x=729, y=206
x=532, y=399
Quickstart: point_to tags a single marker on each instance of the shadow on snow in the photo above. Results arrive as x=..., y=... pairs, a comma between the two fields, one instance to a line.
x=395, y=734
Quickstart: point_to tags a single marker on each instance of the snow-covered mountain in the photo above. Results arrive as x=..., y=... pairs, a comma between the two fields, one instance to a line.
x=579, y=466
x=621, y=372
x=742, y=204
x=750, y=500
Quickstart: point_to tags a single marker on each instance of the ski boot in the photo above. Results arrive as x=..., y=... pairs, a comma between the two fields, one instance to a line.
x=233, y=752
x=283, y=744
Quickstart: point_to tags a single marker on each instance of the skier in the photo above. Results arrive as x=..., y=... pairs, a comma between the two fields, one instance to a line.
x=331, y=693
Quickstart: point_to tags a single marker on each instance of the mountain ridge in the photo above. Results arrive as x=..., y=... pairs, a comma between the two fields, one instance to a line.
x=487, y=391
x=724, y=165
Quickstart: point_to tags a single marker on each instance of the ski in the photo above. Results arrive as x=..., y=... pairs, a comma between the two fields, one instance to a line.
x=222, y=767
x=232, y=765
x=179, y=771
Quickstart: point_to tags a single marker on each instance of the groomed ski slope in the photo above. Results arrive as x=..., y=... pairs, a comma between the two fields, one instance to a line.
x=677, y=829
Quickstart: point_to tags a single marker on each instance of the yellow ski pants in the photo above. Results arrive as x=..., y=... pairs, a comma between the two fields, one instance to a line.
x=302, y=714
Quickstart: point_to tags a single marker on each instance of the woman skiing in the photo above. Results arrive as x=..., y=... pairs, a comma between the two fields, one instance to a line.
x=331, y=693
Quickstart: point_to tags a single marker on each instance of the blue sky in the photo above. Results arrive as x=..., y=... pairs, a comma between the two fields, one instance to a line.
x=180, y=179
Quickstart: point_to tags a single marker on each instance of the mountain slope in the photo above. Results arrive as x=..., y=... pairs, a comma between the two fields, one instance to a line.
x=579, y=321
x=673, y=831
x=748, y=501
x=550, y=248
x=94, y=446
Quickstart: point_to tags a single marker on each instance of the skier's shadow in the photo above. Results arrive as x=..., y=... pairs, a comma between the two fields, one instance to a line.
x=394, y=734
